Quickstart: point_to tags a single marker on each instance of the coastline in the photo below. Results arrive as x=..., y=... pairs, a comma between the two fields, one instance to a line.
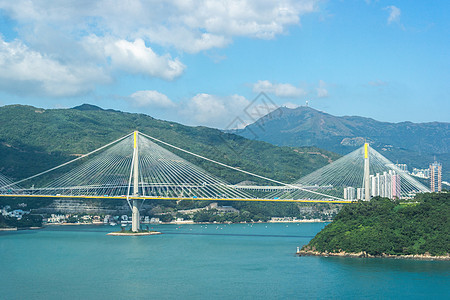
x=366, y=255
x=64, y=224
x=20, y=228
x=301, y=221
x=189, y=222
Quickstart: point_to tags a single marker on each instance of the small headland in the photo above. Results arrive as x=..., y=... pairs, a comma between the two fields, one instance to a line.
x=416, y=228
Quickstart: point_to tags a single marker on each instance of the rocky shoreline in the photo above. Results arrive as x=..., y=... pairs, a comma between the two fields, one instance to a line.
x=363, y=254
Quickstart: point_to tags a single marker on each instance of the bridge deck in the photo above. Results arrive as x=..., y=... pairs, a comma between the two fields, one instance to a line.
x=180, y=198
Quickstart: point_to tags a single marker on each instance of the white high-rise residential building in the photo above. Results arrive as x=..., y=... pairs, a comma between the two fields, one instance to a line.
x=385, y=185
x=373, y=186
x=395, y=185
x=436, y=177
x=349, y=193
x=360, y=193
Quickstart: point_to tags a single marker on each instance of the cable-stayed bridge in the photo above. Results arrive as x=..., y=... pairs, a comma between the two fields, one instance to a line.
x=137, y=167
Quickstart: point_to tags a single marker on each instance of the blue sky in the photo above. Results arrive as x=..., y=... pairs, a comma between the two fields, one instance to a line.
x=203, y=62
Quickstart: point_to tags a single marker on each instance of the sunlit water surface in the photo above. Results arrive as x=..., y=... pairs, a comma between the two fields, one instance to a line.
x=238, y=261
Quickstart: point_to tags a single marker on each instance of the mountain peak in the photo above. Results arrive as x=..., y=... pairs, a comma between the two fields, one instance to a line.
x=300, y=110
x=86, y=106
x=306, y=126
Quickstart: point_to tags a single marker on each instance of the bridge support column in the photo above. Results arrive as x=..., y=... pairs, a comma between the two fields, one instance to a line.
x=366, y=173
x=135, y=217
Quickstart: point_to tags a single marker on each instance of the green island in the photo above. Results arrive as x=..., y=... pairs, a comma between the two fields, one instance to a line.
x=417, y=229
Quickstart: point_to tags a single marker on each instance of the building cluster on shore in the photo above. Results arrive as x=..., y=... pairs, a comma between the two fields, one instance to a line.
x=433, y=174
x=16, y=213
x=96, y=219
x=388, y=184
x=56, y=219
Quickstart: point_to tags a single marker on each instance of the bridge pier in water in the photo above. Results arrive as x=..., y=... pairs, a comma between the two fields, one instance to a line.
x=135, y=217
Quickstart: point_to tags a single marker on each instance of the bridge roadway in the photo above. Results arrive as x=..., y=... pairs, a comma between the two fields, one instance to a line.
x=179, y=198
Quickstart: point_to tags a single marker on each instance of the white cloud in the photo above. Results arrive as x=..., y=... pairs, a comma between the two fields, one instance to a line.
x=286, y=90
x=394, y=14
x=86, y=42
x=24, y=71
x=259, y=19
x=185, y=39
x=135, y=57
x=322, y=92
x=212, y=110
x=282, y=90
x=203, y=109
x=190, y=26
x=290, y=105
x=151, y=99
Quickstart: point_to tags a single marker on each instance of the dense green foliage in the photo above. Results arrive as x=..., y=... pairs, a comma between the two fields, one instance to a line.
x=266, y=210
x=25, y=221
x=30, y=203
x=211, y=216
x=385, y=226
x=34, y=139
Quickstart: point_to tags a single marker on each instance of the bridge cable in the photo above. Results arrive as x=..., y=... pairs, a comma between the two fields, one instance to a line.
x=237, y=169
x=69, y=162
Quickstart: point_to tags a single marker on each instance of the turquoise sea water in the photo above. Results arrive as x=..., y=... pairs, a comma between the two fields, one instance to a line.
x=238, y=261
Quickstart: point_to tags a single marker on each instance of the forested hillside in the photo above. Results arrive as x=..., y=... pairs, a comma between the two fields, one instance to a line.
x=34, y=139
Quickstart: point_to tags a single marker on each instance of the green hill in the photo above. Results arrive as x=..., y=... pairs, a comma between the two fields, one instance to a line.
x=385, y=227
x=34, y=139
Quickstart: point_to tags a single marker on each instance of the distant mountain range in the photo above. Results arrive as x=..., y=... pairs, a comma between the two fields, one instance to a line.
x=415, y=144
